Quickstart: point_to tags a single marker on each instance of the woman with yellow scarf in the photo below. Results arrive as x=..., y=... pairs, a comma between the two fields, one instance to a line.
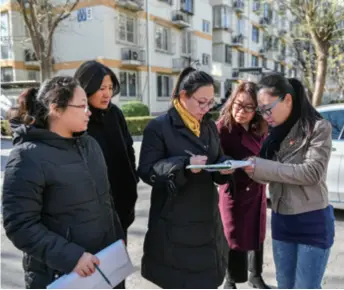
x=185, y=245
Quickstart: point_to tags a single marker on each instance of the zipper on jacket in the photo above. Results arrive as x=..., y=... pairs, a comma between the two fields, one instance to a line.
x=79, y=147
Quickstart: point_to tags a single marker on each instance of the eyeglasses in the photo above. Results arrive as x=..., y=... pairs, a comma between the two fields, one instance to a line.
x=85, y=107
x=247, y=109
x=268, y=110
x=204, y=105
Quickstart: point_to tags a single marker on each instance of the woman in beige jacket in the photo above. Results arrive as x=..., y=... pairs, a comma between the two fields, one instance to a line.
x=294, y=160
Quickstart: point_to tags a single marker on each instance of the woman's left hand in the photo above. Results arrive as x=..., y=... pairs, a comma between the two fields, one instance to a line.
x=250, y=169
x=227, y=171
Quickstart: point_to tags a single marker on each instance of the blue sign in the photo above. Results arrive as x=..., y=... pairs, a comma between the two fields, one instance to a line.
x=82, y=15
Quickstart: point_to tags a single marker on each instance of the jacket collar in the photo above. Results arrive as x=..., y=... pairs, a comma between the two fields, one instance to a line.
x=178, y=123
x=292, y=143
x=248, y=140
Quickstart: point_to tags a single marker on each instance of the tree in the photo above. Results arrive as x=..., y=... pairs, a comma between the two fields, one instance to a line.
x=321, y=25
x=42, y=17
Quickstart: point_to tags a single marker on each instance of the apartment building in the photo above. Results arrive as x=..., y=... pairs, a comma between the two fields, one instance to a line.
x=249, y=39
x=148, y=42
x=145, y=45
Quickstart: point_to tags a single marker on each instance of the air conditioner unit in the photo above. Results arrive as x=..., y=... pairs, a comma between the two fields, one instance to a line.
x=133, y=55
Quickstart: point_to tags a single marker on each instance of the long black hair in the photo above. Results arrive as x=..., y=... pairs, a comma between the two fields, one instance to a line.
x=190, y=80
x=91, y=74
x=278, y=85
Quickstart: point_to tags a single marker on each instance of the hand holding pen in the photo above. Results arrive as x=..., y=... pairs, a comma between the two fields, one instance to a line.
x=196, y=160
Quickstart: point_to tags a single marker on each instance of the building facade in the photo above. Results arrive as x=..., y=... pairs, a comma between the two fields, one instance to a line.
x=147, y=43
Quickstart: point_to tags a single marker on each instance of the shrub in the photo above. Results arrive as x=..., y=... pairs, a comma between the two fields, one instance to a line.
x=5, y=128
x=135, y=109
x=136, y=125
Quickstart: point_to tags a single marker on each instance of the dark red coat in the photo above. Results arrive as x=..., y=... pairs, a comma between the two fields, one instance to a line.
x=244, y=214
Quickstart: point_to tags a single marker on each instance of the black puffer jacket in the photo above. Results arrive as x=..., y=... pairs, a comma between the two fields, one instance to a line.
x=56, y=202
x=109, y=128
x=185, y=245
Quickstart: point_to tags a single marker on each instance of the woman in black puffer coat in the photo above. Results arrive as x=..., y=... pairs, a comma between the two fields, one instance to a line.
x=56, y=203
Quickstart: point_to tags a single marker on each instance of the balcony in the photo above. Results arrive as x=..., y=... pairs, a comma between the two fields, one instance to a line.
x=30, y=57
x=239, y=6
x=178, y=64
x=264, y=22
x=238, y=40
x=132, y=56
x=133, y=5
x=235, y=75
x=282, y=32
x=281, y=57
x=181, y=19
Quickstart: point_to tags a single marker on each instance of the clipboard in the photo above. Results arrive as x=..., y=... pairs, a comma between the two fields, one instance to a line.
x=115, y=265
x=227, y=165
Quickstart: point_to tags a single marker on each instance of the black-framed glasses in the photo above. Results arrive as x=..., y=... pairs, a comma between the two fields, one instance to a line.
x=247, y=109
x=204, y=105
x=267, y=110
x=85, y=107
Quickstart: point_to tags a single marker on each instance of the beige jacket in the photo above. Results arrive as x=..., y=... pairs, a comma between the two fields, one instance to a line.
x=297, y=176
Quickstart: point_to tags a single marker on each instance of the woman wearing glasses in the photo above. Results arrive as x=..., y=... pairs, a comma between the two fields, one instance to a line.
x=243, y=213
x=185, y=245
x=294, y=160
x=108, y=126
x=56, y=200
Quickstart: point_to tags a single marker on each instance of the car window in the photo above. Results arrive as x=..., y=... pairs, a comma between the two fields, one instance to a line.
x=336, y=118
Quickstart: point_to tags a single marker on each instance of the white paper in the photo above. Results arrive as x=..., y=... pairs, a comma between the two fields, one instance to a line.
x=228, y=164
x=115, y=263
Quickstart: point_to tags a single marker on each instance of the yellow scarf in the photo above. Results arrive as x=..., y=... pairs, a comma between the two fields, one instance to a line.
x=190, y=121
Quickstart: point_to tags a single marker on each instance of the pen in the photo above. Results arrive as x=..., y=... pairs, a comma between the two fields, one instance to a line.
x=190, y=153
x=105, y=278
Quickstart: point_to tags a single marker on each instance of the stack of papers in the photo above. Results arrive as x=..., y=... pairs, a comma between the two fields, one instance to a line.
x=114, y=263
x=228, y=164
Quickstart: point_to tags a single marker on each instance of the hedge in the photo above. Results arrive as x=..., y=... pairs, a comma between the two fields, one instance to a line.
x=136, y=125
x=5, y=128
x=135, y=109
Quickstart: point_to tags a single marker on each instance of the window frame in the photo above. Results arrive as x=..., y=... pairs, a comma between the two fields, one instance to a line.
x=135, y=29
x=167, y=90
x=169, y=39
x=127, y=86
x=255, y=36
x=205, y=26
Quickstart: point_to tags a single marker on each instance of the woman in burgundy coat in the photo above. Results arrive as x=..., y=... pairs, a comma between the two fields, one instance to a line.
x=242, y=131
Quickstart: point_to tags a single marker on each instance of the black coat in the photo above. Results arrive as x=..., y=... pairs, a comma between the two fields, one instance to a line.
x=109, y=128
x=56, y=202
x=185, y=245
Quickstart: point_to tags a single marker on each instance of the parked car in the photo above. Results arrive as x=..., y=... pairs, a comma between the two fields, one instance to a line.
x=335, y=172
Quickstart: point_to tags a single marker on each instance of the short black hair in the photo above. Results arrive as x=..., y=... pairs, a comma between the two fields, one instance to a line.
x=91, y=74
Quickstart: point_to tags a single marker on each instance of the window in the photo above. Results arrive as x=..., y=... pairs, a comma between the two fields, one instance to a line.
x=255, y=34
x=6, y=74
x=205, y=59
x=276, y=43
x=241, y=26
x=256, y=5
x=265, y=63
x=187, y=6
x=241, y=59
x=6, y=52
x=205, y=26
x=164, y=86
x=127, y=28
x=32, y=75
x=276, y=66
x=282, y=69
x=129, y=84
x=336, y=118
x=255, y=61
x=221, y=16
x=186, y=42
x=228, y=54
x=162, y=36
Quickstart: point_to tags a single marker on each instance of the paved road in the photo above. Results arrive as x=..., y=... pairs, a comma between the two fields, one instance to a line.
x=12, y=274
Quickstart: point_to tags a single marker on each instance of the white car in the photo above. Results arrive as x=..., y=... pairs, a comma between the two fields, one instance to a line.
x=335, y=172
